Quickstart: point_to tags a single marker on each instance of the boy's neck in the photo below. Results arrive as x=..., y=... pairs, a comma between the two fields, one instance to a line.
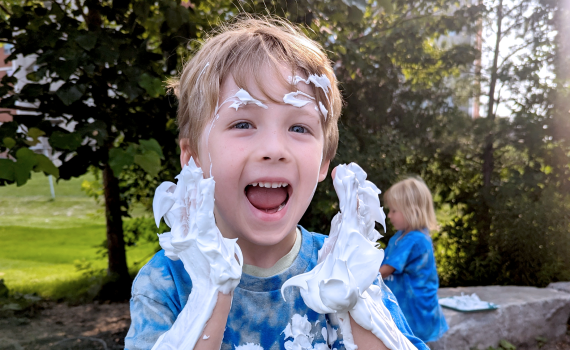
x=266, y=256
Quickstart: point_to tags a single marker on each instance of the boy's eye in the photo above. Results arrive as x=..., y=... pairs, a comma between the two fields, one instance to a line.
x=298, y=128
x=243, y=125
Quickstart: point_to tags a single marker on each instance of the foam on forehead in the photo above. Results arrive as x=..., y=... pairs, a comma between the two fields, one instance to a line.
x=319, y=81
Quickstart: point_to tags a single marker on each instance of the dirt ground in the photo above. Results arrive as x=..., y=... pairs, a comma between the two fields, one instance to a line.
x=59, y=326
x=99, y=326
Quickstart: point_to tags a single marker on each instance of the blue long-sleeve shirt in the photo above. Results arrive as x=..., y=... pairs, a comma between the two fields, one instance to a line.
x=258, y=315
x=415, y=283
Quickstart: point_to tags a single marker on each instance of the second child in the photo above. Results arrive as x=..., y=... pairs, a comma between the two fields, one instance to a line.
x=409, y=268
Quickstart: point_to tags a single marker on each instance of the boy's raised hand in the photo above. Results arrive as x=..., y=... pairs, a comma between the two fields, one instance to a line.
x=342, y=281
x=213, y=262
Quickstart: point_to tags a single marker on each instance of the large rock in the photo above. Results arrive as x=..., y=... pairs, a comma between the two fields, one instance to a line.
x=524, y=314
x=561, y=286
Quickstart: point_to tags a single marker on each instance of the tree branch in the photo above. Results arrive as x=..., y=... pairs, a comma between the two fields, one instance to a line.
x=506, y=31
x=514, y=53
x=391, y=27
x=22, y=108
x=5, y=9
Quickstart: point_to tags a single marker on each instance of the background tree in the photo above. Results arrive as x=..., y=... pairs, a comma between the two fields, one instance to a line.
x=512, y=223
x=501, y=182
x=95, y=91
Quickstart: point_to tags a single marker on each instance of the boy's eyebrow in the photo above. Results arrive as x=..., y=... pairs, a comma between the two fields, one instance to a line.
x=240, y=99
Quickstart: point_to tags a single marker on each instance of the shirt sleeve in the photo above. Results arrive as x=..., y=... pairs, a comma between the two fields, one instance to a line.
x=391, y=304
x=149, y=320
x=399, y=254
x=155, y=302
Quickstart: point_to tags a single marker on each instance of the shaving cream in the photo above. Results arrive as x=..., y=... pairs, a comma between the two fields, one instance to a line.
x=249, y=346
x=348, y=264
x=239, y=99
x=208, y=257
x=320, y=81
x=291, y=99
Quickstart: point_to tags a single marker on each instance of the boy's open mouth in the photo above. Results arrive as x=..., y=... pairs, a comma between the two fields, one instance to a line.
x=269, y=197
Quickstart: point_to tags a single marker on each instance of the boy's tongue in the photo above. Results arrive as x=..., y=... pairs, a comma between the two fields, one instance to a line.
x=266, y=198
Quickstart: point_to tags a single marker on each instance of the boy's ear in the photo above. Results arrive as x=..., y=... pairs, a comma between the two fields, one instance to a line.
x=186, y=153
x=324, y=170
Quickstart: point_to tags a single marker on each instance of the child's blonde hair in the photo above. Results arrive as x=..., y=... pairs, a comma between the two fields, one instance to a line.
x=413, y=198
x=241, y=49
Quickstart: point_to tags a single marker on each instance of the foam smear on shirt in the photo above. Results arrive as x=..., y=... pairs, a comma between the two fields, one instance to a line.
x=208, y=257
x=348, y=264
x=299, y=329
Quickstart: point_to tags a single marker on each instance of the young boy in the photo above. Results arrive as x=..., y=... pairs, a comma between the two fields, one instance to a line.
x=258, y=112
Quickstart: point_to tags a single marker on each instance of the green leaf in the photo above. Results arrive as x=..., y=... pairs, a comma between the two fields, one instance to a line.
x=32, y=91
x=119, y=158
x=387, y=6
x=46, y=165
x=506, y=345
x=360, y=4
x=141, y=9
x=12, y=307
x=87, y=41
x=65, y=68
x=152, y=85
x=69, y=141
x=9, y=142
x=26, y=160
x=355, y=15
x=152, y=145
x=149, y=161
x=7, y=169
x=175, y=16
x=34, y=133
x=70, y=93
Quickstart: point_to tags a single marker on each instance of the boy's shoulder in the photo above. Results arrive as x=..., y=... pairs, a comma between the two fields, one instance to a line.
x=162, y=280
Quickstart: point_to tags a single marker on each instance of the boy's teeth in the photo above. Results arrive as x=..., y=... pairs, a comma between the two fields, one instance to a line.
x=270, y=184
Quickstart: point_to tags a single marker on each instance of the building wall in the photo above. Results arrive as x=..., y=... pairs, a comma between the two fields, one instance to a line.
x=5, y=68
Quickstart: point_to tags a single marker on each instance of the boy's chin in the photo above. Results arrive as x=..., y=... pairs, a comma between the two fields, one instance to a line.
x=268, y=237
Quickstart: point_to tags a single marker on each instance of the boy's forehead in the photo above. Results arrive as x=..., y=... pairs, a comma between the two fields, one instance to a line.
x=271, y=84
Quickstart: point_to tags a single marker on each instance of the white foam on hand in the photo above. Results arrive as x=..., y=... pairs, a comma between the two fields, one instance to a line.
x=208, y=257
x=349, y=262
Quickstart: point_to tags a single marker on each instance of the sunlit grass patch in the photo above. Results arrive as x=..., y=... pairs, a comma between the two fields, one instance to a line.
x=44, y=240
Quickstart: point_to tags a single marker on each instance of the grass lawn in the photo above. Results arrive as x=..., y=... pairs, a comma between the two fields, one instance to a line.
x=43, y=239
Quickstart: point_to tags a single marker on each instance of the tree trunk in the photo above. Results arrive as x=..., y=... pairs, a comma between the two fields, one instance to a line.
x=488, y=156
x=561, y=122
x=118, y=286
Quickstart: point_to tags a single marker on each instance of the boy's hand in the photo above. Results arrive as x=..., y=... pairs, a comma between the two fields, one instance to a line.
x=213, y=262
x=342, y=281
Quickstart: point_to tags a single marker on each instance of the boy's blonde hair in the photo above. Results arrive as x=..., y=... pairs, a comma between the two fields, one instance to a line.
x=413, y=198
x=242, y=49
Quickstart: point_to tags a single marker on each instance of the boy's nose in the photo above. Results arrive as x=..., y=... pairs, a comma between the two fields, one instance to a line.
x=274, y=148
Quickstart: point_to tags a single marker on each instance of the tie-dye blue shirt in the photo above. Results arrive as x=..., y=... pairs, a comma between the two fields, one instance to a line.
x=415, y=283
x=258, y=315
